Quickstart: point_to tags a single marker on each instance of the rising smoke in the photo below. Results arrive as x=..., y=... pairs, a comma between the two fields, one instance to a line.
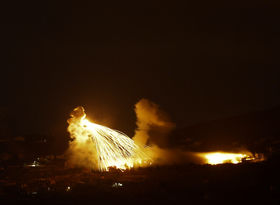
x=79, y=154
x=153, y=127
x=98, y=147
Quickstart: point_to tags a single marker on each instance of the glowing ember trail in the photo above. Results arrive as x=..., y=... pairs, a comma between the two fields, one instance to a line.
x=223, y=157
x=106, y=147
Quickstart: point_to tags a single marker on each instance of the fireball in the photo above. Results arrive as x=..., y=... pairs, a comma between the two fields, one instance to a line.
x=97, y=146
x=214, y=158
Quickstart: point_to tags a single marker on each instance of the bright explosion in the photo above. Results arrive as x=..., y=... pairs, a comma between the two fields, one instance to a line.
x=98, y=147
x=107, y=147
x=214, y=158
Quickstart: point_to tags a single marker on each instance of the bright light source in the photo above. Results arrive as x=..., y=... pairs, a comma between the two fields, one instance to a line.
x=102, y=146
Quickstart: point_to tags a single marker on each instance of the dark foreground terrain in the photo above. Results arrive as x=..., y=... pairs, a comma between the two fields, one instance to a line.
x=51, y=183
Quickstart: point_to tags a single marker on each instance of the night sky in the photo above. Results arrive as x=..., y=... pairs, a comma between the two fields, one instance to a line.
x=199, y=60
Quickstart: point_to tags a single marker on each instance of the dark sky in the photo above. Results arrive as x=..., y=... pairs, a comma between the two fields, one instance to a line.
x=199, y=60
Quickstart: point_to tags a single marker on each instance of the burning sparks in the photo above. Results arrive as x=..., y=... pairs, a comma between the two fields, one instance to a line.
x=105, y=147
x=98, y=147
x=214, y=158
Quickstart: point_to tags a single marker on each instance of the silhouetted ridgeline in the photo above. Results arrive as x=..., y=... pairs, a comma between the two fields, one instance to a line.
x=258, y=131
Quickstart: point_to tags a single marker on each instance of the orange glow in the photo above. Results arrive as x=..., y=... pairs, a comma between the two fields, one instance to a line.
x=100, y=147
x=224, y=157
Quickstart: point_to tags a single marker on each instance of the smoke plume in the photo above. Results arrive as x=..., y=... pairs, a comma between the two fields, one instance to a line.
x=79, y=154
x=98, y=147
x=153, y=127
